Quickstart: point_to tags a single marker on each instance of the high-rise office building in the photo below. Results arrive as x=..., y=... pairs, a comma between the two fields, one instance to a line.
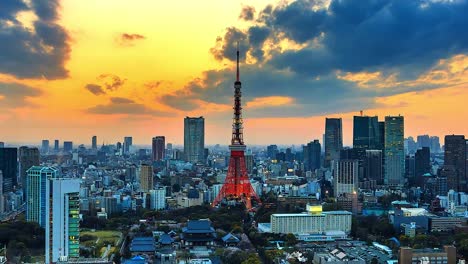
x=158, y=199
x=455, y=157
x=2, y=144
x=435, y=144
x=146, y=178
x=56, y=145
x=374, y=165
x=67, y=146
x=394, y=151
x=272, y=150
x=423, y=141
x=35, y=190
x=410, y=145
x=128, y=142
x=333, y=140
x=345, y=177
x=9, y=167
x=422, y=164
x=2, y=201
x=27, y=158
x=312, y=152
x=158, y=148
x=63, y=220
x=194, y=139
x=45, y=146
x=381, y=142
x=94, y=142
x=366, y=132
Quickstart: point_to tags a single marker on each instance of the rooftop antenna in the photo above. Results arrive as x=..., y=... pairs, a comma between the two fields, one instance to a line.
x=237, y=73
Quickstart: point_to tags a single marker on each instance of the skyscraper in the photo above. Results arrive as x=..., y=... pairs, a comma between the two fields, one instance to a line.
x=56, y=145
x=345, y=177
x=374, y=165
x=158, y=146
x=63, y=220
x=2, y=202
x=35, y=190
x=366, y=132
x=455, y=157
x=423, y=141
x=333, y=140
x=94, y=142
x=146, y=177
x=272, y=150
x=45, y=146
x=422, y=164
x=2, y=144
x=27, y=157
x=394, y=151
x=128, y=142
x=67, y=146
x=312, y=153
x=194, y=139
x=9, y=167
x=435, y=144
x=381, y=142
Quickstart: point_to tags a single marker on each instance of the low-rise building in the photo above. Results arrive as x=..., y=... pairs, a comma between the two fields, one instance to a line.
x=314, y=221
x=448, y=255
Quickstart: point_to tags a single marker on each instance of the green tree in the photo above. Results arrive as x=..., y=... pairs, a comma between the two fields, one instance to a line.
x=252, y=259
x=291, y=240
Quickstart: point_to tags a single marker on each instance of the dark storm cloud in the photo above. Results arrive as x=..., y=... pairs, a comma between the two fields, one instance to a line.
x=355, y=35
x=95, y=89
x=119, y=105
x=40, y=52
x=14, y=94
x=247, y=13
x=398, y=38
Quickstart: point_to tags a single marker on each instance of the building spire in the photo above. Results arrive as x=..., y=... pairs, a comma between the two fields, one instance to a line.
x=237, y=73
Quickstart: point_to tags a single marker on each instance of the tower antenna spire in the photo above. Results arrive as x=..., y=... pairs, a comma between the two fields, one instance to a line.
x=237, y=73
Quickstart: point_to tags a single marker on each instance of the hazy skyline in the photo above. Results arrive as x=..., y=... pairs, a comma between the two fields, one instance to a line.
x=114, y=68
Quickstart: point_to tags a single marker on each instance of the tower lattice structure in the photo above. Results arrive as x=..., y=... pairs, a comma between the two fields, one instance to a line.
x=237, y=183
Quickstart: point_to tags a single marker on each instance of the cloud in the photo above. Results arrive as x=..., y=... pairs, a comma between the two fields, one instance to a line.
x=128, y=39
x=407, y=37
x=247, y=13
x=39, y=52
x=153, y=84
x=111, y=82
x=13, y=95
x=95, y=89
x=124, y=106
x=336, y=56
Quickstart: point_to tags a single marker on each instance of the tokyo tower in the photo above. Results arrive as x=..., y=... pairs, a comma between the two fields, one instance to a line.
x=237, y=185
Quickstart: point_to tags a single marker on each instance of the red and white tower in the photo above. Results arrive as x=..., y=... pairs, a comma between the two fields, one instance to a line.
x=237, y=185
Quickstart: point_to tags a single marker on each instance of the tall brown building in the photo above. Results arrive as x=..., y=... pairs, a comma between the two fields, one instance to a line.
x=158, y=147
x=27, y=157
x=146, y=177
x=455, y=159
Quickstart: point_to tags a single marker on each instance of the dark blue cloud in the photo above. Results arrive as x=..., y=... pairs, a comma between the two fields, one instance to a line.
x=14, y=94
x=40, y=52
x=406, y=37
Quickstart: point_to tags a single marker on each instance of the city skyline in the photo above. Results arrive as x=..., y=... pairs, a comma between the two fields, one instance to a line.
x=124, y=76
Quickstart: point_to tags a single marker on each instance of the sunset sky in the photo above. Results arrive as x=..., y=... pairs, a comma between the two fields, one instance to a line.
x=72, y=69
